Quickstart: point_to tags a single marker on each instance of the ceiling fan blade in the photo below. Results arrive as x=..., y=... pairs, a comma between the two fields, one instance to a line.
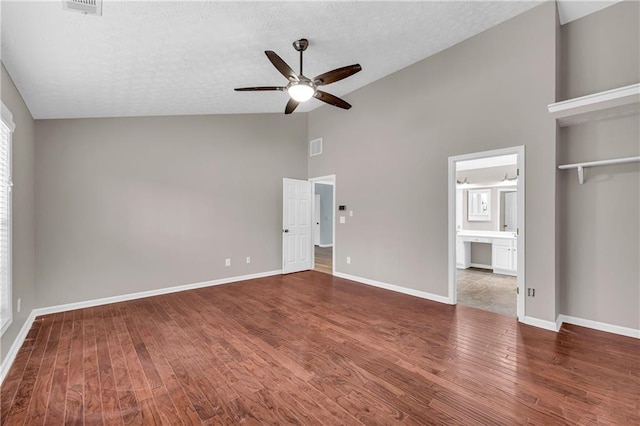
x=331, y=100
x=337, y=74
x=281, y=65
x=259, y=88
x=291, y=105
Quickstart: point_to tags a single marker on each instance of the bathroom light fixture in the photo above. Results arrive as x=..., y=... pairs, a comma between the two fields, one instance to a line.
x=506, y=178
x=464, y=182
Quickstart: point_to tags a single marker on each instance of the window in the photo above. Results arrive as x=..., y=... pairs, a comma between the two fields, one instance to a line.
x=6, y=129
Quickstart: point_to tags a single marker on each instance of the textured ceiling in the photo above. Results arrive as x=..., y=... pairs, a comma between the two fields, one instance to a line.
x=172, y=58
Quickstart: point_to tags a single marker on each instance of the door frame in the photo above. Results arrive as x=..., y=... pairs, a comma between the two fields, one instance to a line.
x=316, y=226
x=520, y=152
x=330, y=180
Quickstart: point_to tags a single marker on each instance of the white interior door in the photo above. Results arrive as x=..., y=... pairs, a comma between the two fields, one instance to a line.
x=316, y=219
x=296, y=225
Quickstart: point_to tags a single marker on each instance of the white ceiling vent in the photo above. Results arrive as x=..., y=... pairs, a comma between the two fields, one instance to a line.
x=315, y=147
x=87, y=7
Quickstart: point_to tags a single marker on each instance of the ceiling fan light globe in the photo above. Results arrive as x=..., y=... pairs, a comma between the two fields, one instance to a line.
x=301, y=92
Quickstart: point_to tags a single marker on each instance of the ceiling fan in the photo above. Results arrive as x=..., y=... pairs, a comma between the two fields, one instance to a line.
x=301, y=88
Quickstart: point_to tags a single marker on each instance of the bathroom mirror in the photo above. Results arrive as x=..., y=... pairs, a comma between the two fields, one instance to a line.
x=479, y=205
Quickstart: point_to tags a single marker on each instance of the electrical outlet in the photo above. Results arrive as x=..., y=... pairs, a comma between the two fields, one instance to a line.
x=19, y=304
x=248, y=259
x=348, y=259
x=227, y=262
x=531, y=292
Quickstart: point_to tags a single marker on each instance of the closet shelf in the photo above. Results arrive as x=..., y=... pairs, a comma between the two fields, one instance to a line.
x=581, y=166
x=619, y=102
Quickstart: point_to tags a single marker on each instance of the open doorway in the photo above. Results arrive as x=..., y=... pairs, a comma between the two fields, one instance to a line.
x=323, y=223
x=486, y=224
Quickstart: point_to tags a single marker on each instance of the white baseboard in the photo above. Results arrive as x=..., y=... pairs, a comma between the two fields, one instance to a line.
x=17, y=343
x=396, y=288
x=142, y=294
x=15, y=347
x=480, y=266
x=596, y=325
x=536, y=322
x=325, y=245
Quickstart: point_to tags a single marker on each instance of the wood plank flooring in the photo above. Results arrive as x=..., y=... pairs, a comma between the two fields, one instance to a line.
x=323, y=259
x=310, y=348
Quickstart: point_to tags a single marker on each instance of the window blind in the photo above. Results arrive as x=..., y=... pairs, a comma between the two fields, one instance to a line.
x=5, y=225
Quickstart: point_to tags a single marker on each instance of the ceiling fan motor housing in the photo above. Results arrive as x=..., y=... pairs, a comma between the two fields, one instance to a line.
x=301, y=45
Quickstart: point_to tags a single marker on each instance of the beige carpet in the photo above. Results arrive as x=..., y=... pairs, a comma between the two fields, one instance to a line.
x=483, y=289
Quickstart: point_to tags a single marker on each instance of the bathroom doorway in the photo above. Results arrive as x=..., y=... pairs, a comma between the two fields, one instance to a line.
x=486, y=258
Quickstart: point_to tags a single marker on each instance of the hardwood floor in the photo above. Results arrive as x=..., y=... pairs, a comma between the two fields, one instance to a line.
x=323, y=259
x=310, y=348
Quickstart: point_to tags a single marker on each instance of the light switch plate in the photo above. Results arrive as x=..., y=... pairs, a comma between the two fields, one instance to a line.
x=350, y=213
x=343, y=219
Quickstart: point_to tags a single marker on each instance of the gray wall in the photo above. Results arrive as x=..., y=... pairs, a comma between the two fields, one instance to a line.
x=488, y=92
x=600, y=51
x=326, y=212
x=23, y=243
x=599, y=226
x=134, y=204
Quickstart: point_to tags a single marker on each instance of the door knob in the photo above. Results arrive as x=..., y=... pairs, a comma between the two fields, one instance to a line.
x=285, y=230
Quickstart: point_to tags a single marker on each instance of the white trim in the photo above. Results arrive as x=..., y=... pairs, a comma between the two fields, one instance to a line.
x=520, y=187
x=480, y=266
x=626, y=94
x=15, y=347
x=596, y=325
x=618, y=102
x=396, y=288
x=536, y=322
x=7, y=117
x=150, y=293
x=325, y=245
x=327, y=180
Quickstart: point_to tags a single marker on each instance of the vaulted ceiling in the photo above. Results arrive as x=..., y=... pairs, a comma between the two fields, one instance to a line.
x=171, y=58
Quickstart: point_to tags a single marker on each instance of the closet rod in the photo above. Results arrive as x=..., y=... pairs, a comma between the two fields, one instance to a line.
x=581, y=166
